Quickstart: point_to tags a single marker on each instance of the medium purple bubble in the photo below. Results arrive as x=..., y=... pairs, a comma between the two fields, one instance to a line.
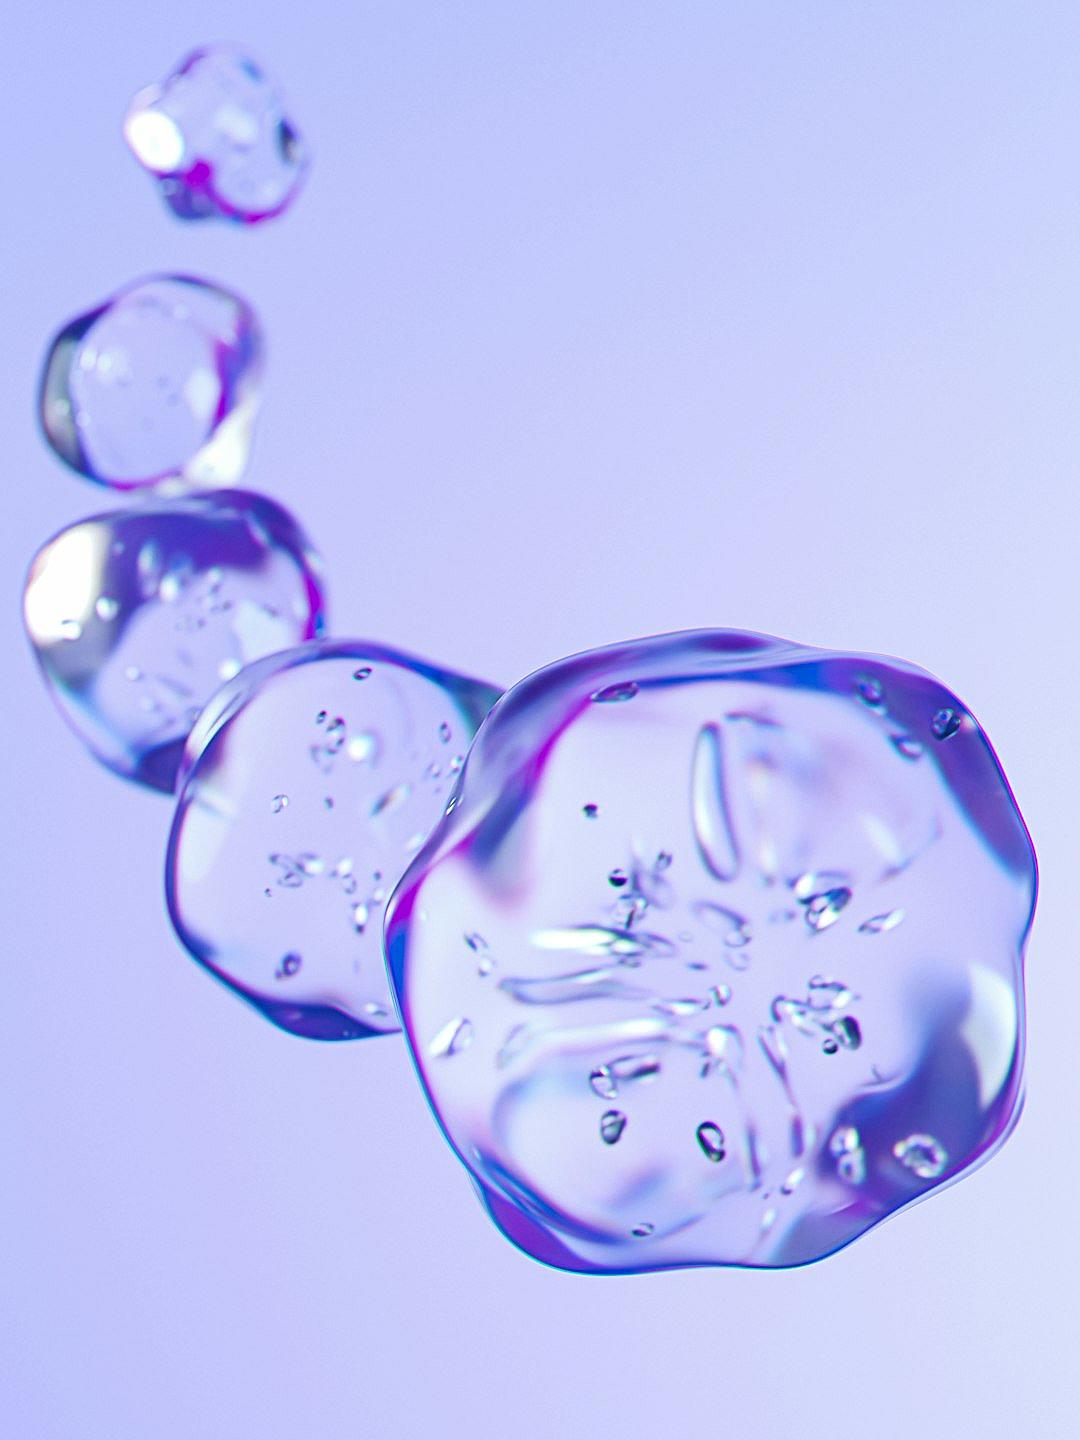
x=215, y=137
x=137, y=616
x=160, y=382
x=309, y=783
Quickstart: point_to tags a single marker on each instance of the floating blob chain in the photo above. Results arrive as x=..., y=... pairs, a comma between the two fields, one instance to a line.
x=708, y=948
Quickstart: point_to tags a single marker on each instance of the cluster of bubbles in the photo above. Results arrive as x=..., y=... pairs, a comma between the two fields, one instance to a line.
x=707, y=948
x=181, y=636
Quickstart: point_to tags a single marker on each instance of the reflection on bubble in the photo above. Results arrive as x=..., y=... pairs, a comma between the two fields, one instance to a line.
x=309, y=783
x=159, y=383
x=759, y=964
x=138, y=616
x=215, y=137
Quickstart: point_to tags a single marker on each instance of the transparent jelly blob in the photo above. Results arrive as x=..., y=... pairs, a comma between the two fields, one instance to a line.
x=215, y=137
x=138, y=616
x=309, y=783
x=159, y=383
x=804, y=998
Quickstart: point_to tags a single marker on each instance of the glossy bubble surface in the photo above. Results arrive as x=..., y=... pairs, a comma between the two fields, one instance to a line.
x=751, y=920
x=215, y=137
x=138, y=616
x=309, y=784
x=159, y=383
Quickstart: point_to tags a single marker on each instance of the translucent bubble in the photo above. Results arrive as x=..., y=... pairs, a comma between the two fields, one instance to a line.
x=159, y=383
x=250, y=879
x=870, y=1042
x=215, y=137
x=194, y=589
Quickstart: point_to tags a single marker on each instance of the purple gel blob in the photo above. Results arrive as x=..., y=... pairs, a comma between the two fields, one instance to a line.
x=159, y=382
x=309, y=783
x=751, y=917
x=138, y=616
x=215, y=137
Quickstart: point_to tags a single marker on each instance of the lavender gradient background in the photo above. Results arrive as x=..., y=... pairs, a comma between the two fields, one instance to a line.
x=595, y=320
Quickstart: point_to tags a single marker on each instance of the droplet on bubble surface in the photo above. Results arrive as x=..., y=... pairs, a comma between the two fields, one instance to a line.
x=824, y=910
x=456, y=1035
x=869, y=691
x=215, y=137
x=882, y=924
x=946, y=723
x=159, y=383
x=848, y=1032
x=133, y=682
x=716, y=842
x=924, y=1156
x=852, y=1168
x=774, y=782
x=612, y=1125
x=634, y=1067
x=621, y=690
x=283, y=727
x=711, y=1139
x=844, y=1139
x=908, y=746
x=845, y=1145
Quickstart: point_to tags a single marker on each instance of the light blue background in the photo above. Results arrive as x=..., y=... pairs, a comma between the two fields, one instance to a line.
x=597, y=319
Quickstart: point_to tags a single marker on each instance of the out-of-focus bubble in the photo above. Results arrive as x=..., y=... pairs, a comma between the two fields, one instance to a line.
x=161, y=382
x=215, y=137
x=754, y=969
x=138, y=616
x=309, y=783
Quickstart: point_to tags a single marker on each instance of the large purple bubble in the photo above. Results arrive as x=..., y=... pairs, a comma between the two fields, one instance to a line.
x=717, y=957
